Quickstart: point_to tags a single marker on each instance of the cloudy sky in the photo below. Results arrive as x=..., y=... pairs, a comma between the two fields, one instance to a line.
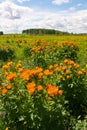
x=64, y=15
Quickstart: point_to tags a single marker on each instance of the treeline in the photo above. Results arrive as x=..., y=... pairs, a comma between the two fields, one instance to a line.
x=44, y=31
x=1, y=33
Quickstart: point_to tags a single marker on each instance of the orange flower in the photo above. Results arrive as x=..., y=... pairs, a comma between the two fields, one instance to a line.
x=68, y=76
x=31, y=87
x=5, y=73
x=66, y=61
x=18, y=64
x=71, y=62
x=40, y=75
x=67, y=72
x=20, y=70
x=52, y=90
x=80, y=72
x=50, y=67
x=4, y=91
x=25, y=74
x=47, y=72
x=11, y=76
x=60, y=76
x=5, y=67
x=60, y=92
x=64, y=68
x=9, y=86
x=57, y=69
x=84, y=71
x=9, y=63
x=39, y=88
x=76, y=65
x=49, y=98
x=55, y=65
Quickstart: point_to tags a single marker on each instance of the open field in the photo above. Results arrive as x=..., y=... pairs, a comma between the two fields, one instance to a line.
x=11, y=40
x=43, y=82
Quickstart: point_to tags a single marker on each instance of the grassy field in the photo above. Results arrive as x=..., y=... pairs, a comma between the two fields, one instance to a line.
x=42, y=77
x=27, y=39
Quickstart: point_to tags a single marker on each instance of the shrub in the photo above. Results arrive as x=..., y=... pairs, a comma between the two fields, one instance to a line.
x=67, y=50
x=6, y=53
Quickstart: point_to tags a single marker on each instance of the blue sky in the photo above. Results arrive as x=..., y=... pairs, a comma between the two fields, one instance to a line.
x=64, y=15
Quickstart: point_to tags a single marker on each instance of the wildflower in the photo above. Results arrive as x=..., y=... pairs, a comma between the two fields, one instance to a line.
x=18, y=65
x=40, y=75
x=31, y=87
x=25, y=74
x=76, y=65
x=50, y=67
x=39, y=88
x=4, y=91
x=66, y=61
x=71, y=62
x=57, y=69
x=5, y=67
x=47, y=72
x=67, y=72
x=20, y=70
x=55, y=65
x=64, y=68
x=52, y=90
x=83, y=71
x=11, y=76
x=9, y=86
x=9, y=63
x=49, y=98
x=60, y=92
x=6, y=128
x=5, y=73
x=68, y=77
x=80, y=72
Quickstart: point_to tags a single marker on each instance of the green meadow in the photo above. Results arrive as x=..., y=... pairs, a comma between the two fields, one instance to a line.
x=43, y=82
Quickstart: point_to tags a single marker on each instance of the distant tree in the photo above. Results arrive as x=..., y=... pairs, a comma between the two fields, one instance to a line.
x=1, y=33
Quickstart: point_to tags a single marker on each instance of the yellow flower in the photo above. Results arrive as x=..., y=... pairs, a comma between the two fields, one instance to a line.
x=6, y=128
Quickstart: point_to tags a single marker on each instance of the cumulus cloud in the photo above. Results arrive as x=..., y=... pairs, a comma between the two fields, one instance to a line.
x=59, y=2
x=15, y=18
x=12, y=16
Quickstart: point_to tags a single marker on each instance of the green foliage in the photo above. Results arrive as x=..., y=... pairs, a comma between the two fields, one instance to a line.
x=81, y=124
x=46, y=60
x=6, y=53
x=44, y=31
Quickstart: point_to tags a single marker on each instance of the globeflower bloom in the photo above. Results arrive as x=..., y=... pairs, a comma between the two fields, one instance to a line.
x=4, y=91
x=39, y=88
x=52, y=90
x=31, y=87
x=11, y=76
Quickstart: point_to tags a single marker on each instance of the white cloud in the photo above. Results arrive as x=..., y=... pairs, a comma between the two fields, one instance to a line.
x=72, y=8
x=59, y=2
x=22, y=1
x=79, y=4
x=15, y=18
